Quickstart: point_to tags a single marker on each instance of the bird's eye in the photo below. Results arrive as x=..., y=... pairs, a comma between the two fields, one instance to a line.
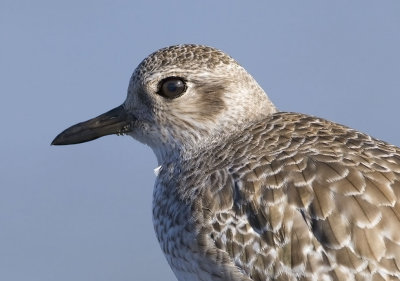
x=172, y=87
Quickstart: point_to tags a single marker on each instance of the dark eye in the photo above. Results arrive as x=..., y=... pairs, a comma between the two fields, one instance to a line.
x=172, y=87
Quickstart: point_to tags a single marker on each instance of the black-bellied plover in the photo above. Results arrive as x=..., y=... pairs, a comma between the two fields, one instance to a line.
x=245, y=192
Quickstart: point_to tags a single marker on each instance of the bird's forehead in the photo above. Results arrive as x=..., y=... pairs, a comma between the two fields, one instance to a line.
x=181, y=58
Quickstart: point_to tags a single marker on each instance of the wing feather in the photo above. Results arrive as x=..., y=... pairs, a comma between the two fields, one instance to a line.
x=314, y=200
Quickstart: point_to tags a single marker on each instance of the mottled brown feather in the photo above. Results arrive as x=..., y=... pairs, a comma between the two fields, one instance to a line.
x=320, y=203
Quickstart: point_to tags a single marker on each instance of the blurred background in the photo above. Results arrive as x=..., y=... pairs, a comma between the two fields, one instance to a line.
x=84, y=212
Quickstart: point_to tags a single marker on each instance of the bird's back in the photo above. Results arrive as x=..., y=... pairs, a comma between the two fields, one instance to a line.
x=290, y=197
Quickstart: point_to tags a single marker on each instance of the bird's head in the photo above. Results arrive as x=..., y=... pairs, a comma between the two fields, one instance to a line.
x=180, y=97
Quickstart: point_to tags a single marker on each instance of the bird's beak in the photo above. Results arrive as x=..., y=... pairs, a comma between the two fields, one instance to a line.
x=116, y=121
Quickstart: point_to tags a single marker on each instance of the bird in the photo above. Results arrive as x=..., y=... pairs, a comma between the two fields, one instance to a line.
x=245, y=192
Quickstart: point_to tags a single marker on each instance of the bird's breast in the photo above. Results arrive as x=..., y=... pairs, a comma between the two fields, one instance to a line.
x=176, y=233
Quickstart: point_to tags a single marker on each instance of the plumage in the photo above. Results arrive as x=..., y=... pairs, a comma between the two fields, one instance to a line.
x=245, y=192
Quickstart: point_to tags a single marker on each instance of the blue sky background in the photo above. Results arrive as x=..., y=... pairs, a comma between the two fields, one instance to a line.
x=84, y=212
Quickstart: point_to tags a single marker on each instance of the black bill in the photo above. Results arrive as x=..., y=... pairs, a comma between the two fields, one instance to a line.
x=115, y=121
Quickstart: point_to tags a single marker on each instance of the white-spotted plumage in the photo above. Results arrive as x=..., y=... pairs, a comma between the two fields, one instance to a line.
x=249, y=193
